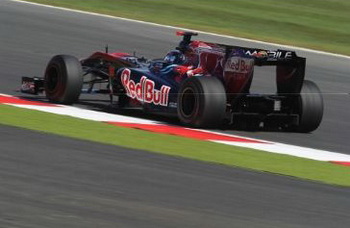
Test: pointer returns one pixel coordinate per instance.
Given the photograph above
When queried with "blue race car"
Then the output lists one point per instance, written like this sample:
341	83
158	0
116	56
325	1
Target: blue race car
203	84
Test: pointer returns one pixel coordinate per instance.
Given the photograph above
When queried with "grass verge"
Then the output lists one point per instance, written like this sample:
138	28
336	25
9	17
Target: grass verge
316	24
175	146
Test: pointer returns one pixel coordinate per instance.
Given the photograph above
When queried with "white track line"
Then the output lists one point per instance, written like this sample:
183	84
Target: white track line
297	151
5	95
180	28
85	114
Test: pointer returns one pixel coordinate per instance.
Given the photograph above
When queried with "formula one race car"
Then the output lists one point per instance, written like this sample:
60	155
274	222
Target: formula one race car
203	84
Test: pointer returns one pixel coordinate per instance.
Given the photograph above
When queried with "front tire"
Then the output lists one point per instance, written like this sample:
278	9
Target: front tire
63	79
202	102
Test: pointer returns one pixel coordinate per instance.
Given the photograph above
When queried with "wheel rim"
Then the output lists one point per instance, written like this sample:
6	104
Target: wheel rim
52	79
188	102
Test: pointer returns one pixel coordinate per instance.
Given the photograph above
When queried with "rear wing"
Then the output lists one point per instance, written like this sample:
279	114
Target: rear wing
290	68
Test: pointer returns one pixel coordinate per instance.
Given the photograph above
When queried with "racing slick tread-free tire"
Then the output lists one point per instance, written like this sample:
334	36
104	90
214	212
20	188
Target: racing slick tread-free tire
63	79
202	102
310	104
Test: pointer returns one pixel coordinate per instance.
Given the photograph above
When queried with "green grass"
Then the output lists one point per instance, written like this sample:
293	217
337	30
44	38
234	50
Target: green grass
175	146
317	24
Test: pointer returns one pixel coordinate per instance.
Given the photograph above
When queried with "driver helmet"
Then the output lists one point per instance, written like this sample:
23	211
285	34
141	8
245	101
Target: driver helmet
175	57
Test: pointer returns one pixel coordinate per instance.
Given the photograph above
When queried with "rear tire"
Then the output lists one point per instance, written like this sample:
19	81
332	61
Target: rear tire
310	106
202	102
63	79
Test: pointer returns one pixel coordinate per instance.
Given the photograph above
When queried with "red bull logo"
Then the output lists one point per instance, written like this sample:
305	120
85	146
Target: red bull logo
239	65
144	90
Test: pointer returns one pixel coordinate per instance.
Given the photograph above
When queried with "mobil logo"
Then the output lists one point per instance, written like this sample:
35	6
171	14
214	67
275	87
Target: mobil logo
144	90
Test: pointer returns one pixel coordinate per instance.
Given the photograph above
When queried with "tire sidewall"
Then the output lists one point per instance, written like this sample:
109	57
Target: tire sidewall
197	90
55	92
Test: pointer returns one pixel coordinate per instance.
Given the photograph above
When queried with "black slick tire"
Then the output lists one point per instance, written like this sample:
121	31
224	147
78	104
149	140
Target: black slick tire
63	79
202	102
310	106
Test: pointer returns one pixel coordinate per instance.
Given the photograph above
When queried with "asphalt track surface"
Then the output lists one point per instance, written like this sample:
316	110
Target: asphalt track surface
82	184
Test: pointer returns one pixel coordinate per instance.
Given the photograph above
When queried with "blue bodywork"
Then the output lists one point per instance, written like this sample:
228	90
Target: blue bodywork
163	75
